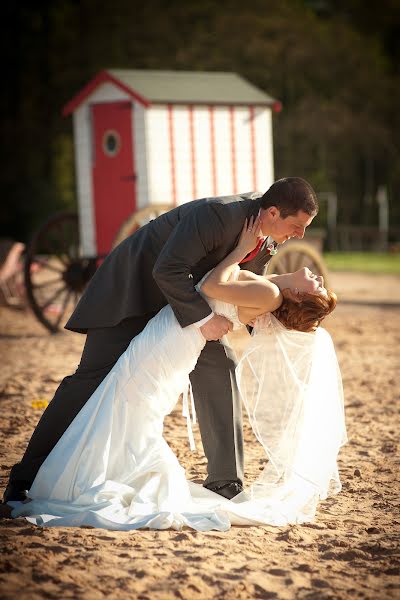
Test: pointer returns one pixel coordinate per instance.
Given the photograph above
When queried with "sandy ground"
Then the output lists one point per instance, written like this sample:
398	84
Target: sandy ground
351	551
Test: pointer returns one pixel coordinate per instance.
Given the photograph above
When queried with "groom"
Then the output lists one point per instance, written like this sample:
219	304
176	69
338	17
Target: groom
160	264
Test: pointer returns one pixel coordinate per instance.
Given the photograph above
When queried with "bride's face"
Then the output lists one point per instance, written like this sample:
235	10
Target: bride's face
304	280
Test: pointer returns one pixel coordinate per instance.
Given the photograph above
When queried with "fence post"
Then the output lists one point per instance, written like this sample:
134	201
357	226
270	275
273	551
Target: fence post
382	199
332	220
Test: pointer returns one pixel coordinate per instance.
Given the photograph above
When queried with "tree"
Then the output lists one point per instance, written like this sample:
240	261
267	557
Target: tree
331	67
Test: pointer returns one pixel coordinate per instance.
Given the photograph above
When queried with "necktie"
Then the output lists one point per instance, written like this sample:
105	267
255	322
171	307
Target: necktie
254	252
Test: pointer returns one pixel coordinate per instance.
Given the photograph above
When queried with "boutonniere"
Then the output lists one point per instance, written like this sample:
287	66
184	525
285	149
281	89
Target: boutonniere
271	249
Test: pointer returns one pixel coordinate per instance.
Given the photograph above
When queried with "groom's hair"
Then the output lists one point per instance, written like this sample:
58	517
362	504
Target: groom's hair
290	195
306	315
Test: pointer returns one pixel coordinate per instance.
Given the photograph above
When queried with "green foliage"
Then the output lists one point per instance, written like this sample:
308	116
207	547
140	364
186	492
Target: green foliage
332	64
367	262
63	169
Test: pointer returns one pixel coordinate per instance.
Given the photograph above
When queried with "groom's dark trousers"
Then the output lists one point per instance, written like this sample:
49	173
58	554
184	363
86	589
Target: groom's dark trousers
217	416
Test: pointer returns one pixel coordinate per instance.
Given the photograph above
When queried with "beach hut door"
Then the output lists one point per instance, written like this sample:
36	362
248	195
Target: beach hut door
113	169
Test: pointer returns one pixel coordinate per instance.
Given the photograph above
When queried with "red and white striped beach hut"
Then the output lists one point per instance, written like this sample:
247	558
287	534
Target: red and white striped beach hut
161	137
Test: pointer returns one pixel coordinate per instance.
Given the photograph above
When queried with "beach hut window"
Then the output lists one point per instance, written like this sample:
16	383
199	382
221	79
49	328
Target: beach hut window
111	143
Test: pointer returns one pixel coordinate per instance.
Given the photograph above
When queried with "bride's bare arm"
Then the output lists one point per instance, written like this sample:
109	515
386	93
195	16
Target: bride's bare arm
282	281
263	295
259	294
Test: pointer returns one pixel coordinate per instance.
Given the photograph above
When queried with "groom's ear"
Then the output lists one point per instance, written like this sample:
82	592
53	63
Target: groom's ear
273	213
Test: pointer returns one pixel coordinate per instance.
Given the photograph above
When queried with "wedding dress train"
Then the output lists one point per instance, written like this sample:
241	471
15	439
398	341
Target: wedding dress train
113	469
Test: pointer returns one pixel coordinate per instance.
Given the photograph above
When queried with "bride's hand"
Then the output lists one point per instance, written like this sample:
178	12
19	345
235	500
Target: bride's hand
251	234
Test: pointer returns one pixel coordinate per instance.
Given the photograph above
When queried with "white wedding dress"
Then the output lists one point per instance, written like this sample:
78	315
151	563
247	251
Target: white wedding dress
113	469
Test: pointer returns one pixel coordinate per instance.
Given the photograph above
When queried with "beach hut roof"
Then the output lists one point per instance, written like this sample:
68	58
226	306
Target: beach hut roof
178	87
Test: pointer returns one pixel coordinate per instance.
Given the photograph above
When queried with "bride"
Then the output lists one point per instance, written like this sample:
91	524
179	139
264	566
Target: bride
113	469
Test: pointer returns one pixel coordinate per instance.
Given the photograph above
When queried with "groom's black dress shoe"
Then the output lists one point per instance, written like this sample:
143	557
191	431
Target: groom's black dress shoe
228	489
14	493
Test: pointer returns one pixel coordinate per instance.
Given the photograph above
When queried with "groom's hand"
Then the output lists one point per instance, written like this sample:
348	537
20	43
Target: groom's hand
216	328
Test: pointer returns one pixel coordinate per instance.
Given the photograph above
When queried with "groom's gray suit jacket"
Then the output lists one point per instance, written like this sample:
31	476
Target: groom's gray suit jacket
163	260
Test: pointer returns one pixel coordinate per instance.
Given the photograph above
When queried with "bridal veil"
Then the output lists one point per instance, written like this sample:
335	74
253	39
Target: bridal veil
291	386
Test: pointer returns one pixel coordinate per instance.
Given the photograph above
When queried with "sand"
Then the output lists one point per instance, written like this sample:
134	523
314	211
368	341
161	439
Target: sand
350	551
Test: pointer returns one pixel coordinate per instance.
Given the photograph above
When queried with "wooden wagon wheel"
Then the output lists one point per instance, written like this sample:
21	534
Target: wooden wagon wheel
55	272
139	218
295	255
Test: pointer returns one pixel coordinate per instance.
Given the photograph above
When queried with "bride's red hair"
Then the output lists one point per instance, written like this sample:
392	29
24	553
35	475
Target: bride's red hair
307	314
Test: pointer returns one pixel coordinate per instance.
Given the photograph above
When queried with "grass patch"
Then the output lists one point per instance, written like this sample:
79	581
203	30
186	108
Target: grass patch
367	262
